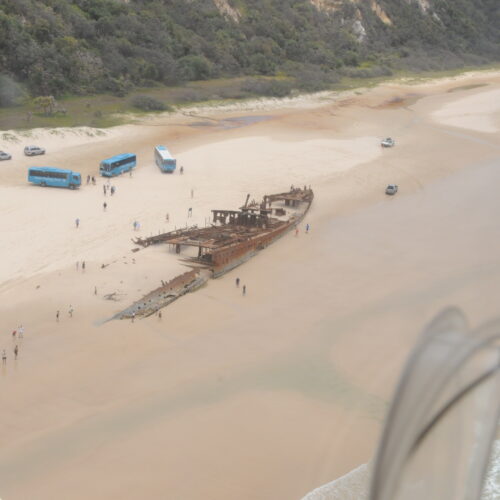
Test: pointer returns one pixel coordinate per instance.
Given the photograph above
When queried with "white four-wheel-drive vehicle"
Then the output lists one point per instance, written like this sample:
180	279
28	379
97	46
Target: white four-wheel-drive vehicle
388	142
391	189
33	151
4	156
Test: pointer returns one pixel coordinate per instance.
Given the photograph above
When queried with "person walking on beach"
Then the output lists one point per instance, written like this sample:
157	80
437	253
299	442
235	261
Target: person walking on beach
159	315
237	282
307	228
104	189
14	334
95	290
244	289
190	212
296	231
93	180
88	179
77	222
83	266
167	217
113	189
182	170
70	311
57	316
133	316
16	351
4	357
192	193
20	332
104	206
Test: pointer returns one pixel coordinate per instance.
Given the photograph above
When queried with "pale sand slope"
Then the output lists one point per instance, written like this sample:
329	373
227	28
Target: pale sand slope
14	141
261	397
478	111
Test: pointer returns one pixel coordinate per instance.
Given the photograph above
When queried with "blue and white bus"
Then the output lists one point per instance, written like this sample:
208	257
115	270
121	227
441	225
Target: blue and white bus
58	177
118	164
164	159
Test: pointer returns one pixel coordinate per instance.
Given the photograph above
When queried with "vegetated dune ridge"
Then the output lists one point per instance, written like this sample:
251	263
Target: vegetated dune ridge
265	396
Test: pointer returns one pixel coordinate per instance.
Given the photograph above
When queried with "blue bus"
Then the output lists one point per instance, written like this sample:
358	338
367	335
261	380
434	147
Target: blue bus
58	177
118	164
164	159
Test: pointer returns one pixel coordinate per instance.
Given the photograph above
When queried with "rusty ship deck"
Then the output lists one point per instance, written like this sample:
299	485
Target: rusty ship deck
232	238
236	233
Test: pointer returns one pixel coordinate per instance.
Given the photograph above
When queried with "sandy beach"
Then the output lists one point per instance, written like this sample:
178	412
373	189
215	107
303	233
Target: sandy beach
262	397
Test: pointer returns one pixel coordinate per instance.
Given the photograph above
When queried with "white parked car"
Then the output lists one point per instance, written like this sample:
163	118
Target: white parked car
388	142
391	189
33	151
5	156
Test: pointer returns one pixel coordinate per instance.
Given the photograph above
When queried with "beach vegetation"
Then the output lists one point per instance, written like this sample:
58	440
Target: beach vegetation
148	103
46	104
86	47
102	60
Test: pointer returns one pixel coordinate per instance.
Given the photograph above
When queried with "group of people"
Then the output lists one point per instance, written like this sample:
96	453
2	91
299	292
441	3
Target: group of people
307	230
19	333
136	227
107	187
70	312
16	334
4	354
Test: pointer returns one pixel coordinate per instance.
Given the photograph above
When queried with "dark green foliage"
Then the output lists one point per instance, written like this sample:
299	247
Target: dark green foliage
148	103
58	47
271	88
314	79
194	67
370	72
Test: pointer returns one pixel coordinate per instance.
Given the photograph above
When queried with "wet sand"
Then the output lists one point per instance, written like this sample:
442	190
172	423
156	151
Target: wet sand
259	397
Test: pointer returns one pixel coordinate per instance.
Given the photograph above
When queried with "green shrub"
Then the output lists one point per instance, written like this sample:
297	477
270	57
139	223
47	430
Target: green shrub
194	67
190	95
372	72
148	103
313	79
268	88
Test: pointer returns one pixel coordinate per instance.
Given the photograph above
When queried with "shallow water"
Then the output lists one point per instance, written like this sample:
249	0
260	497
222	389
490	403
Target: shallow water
460	260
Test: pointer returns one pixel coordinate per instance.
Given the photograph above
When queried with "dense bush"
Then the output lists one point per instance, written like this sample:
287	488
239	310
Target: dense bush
368	72
56	47
147	103
269	88
314	79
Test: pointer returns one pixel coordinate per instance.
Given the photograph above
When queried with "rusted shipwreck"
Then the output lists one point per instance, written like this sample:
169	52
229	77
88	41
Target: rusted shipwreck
232	238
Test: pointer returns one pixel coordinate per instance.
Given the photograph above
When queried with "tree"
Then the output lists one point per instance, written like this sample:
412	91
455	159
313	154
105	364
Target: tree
194	67
46	103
